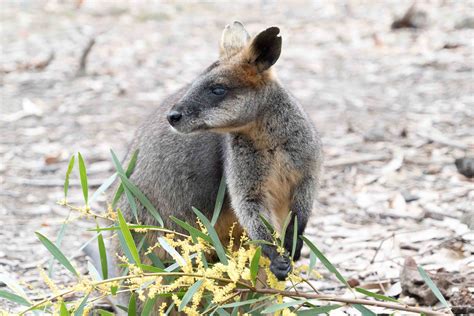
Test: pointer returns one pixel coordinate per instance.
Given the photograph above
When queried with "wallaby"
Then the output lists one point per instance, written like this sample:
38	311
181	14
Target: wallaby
235	119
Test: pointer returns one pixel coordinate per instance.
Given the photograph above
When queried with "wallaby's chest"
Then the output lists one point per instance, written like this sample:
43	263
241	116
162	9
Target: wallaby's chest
269	172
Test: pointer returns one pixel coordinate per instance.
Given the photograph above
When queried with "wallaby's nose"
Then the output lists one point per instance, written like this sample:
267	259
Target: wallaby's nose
174	117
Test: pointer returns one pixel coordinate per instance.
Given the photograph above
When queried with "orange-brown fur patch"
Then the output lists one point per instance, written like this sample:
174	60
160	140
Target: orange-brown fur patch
226	219
246	73
278	188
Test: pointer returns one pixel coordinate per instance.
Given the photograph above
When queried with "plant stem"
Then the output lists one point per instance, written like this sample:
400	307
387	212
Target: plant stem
127	277
322	297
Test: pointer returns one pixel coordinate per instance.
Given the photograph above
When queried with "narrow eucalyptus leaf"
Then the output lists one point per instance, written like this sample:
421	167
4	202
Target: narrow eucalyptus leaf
68	174
219	201
56	253
83	176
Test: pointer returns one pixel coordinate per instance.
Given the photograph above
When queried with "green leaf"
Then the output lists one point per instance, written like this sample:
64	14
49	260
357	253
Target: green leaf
247	302
68	174
132	203
235	311
104	186
221	312
433	287
56	253
192	230
259	241
142	198
214	237
80	309
103	312
148	307
267	224
14	298
276	307
317	310
132	305
123	245
95	275
325	261
13	285
376	295
312	261
124	308
295	237
219	201
283	229
128	173
152	269
189	294
113	289
169	310
123	188
63	310
58	242
103	257
130	226
254	265
173	253
364	310
134	190
128	238
154	258
83	175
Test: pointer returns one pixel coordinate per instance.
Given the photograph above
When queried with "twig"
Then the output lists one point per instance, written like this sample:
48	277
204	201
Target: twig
346	300
248	288
52	182
128	277
81	71
436	136
355	160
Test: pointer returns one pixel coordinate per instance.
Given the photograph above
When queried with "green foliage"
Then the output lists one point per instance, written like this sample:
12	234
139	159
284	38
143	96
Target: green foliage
103	256
14	298
278	307
132	305
375	295
219	201
127	236
213	235
83	176
189	294
68	174
325	261
56	253
254	265
128	173
433	287
139	277
295	237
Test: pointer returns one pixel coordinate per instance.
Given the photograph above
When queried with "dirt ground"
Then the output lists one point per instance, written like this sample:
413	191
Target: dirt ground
395	108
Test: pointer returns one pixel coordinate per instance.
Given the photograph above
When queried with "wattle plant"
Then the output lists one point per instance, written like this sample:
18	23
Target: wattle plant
237	281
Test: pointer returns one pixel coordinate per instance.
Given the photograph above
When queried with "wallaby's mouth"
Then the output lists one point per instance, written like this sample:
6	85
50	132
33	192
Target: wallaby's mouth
187	126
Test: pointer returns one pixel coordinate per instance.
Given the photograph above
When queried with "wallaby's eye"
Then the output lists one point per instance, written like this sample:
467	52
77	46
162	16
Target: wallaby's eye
218	90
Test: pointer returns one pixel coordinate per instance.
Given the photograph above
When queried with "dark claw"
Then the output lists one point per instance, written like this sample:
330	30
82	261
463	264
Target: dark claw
280	267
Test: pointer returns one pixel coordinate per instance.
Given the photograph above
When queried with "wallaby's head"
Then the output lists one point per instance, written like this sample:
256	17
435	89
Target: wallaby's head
227	95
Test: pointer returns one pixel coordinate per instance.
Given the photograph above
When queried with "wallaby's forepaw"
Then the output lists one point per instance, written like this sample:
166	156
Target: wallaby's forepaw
280	267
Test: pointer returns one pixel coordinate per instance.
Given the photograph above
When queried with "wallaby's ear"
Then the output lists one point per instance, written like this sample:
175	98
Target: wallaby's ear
265	48
234	39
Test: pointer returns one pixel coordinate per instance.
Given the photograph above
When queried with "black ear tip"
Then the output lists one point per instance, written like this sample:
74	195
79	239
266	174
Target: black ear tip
273	31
